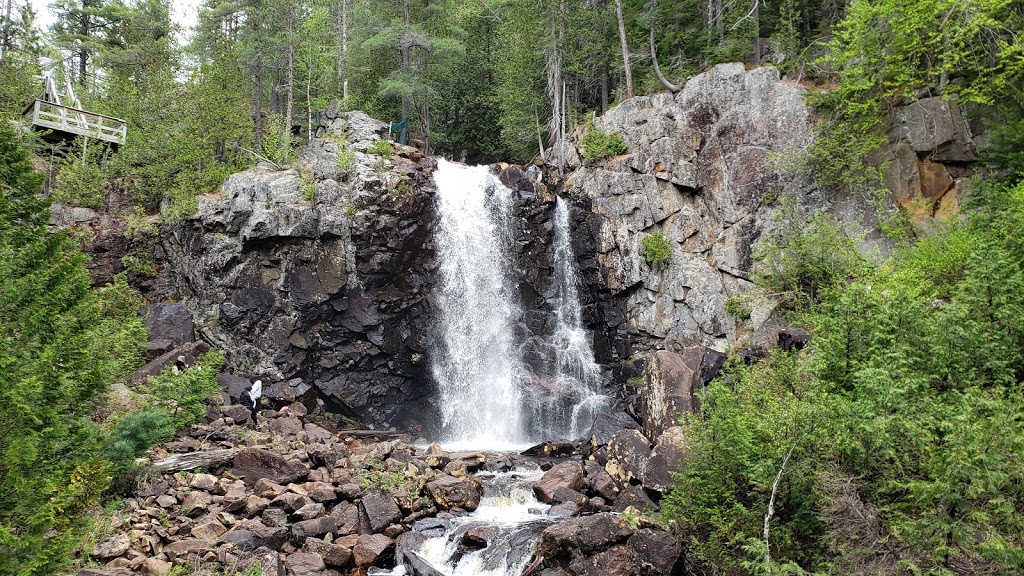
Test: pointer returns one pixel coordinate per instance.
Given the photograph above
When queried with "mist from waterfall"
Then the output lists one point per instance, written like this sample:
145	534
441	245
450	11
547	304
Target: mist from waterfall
477	364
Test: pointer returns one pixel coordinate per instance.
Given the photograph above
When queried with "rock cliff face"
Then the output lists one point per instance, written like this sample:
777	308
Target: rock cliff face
702	169
330	289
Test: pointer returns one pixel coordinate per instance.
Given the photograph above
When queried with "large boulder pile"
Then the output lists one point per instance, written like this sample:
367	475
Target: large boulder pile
284	497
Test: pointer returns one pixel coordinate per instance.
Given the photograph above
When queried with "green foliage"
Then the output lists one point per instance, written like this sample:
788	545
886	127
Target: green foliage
904	416
738	306
346	160
80	180
133	434
375	475
55	358
799	259
122	328
184	394
598	144
308	185
382	148
656	249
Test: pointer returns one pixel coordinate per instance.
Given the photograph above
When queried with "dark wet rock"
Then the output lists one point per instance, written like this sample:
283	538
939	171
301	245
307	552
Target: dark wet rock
251	464
584	535
551	448
607	424
567	475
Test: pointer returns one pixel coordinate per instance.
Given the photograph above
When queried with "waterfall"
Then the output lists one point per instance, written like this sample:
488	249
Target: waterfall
489	395
476	364
576	371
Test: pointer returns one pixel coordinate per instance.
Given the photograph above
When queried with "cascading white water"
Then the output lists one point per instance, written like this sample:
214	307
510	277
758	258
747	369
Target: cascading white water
477	364
575	368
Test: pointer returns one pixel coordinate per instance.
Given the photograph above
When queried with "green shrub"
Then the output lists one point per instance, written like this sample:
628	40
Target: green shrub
80	180
184	394
308	188
738	306
346	161
598	144
135	433
656	250
799	259
382	148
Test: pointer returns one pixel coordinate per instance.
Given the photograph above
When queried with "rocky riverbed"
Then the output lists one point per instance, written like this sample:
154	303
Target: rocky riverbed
291	496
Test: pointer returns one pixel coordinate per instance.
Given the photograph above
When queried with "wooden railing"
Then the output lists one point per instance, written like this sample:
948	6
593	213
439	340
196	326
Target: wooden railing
72	120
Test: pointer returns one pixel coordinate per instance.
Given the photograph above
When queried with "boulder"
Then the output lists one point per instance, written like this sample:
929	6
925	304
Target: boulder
380	509
655	552
629	454
615	560
670	383
449	492
672	448
155	567
252	464
304	564
373	550
314	527
584	535
112	547
347	516
566	475
334	555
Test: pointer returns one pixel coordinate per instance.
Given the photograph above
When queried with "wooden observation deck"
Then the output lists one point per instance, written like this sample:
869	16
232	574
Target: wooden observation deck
65	119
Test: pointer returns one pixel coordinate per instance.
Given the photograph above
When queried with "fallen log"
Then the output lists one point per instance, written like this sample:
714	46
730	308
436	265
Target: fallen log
208	459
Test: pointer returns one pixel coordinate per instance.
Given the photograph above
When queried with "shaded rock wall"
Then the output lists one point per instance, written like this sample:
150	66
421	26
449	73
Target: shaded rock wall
331	290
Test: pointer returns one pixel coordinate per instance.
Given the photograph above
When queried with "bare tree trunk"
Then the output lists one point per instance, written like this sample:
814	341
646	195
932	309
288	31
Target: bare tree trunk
407	20
341	21
286	130
554	73
209	459
755	11
5	42
309	98
258	105
605	87
625	49
657	69
771	509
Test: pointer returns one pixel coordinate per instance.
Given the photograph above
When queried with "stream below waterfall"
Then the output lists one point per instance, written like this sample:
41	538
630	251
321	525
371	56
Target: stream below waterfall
497	539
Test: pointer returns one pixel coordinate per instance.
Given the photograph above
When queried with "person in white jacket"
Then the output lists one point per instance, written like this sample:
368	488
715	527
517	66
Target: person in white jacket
250	398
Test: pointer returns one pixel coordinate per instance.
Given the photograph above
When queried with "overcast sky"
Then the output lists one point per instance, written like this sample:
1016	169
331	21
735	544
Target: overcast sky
183	12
